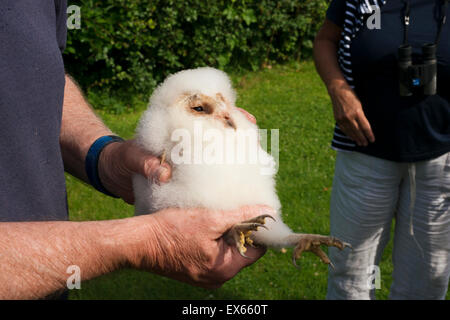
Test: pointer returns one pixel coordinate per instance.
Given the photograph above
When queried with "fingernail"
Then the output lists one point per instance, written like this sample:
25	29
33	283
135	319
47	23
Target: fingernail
159	174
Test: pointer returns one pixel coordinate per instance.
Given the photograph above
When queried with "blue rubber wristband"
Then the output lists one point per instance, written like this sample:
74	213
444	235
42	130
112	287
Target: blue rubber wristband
91	162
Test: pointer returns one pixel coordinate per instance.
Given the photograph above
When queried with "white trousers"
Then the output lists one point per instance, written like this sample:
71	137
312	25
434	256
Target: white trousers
368	193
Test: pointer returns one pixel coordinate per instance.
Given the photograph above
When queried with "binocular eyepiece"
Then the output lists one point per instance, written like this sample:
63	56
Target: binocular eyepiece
413	77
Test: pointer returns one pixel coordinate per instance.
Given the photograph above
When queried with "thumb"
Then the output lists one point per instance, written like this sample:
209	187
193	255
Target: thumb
147	165
153	169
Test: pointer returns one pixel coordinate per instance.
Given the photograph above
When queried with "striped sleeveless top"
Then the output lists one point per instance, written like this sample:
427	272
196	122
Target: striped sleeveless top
356	11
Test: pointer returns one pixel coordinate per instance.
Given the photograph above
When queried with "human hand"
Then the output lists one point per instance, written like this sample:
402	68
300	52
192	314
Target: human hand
119	161
188	244
248	115
349	114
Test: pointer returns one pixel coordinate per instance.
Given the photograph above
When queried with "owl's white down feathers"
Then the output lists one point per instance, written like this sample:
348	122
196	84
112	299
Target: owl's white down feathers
216	186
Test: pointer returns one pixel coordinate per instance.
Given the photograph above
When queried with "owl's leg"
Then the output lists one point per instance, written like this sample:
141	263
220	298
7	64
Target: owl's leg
312	243
239	234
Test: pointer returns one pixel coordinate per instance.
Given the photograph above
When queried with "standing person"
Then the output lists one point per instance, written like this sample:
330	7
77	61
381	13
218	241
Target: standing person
46	126
392	138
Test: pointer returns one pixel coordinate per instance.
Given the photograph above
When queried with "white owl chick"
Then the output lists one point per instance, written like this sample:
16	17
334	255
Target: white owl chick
193	124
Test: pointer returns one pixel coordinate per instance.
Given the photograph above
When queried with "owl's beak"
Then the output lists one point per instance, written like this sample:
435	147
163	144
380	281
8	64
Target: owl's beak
228	121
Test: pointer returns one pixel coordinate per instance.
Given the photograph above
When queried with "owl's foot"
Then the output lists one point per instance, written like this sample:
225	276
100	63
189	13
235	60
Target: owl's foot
239	234
312	243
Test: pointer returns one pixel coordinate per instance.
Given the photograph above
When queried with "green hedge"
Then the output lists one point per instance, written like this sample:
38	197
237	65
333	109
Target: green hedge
134	44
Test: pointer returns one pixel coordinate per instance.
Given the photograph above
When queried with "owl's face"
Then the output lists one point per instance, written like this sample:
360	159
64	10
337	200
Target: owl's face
215	108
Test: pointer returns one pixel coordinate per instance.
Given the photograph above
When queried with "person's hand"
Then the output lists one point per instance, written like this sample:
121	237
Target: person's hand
248	115
188	244
349	114
119	161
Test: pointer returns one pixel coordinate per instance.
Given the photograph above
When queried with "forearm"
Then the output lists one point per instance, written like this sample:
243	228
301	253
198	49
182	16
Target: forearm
326	61
79	129
347	108
35	255
186	245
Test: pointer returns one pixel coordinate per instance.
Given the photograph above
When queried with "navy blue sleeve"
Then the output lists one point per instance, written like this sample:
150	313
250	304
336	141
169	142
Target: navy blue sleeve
61	23
32	182
336	12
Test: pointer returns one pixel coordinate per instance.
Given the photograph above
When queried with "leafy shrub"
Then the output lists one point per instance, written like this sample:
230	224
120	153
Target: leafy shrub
134	44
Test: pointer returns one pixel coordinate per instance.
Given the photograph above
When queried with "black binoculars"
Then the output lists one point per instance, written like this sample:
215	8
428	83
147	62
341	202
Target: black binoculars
420	77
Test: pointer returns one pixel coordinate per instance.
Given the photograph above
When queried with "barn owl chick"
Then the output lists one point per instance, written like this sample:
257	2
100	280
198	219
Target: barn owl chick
217	161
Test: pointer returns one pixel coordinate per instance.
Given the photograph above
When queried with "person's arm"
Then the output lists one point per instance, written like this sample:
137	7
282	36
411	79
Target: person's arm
118	161
186	245
347	108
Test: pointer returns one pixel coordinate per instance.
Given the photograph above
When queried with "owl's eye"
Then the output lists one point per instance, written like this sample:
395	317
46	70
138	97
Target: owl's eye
198	109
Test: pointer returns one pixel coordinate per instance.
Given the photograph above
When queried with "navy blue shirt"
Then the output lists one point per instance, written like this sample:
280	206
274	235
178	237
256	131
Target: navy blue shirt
406	128
32	37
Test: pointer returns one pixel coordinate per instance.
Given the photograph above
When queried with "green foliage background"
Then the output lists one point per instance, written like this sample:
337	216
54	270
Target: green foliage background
133	45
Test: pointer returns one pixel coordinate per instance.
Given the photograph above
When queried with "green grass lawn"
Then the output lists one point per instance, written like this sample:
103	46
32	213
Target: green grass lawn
293	99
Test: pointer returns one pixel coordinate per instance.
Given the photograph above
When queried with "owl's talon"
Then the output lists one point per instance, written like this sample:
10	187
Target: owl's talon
261	219
242	249
347	245
239	234
294	262
163	158
312	243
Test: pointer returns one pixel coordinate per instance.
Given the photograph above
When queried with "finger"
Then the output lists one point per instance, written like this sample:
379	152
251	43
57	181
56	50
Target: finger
233	261
360	137
351	129
149	166
253	254
348	131
366	128
248	115
156	171
163	173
